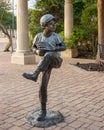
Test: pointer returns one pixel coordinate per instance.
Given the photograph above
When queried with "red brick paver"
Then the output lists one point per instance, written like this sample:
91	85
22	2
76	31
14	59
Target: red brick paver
76	93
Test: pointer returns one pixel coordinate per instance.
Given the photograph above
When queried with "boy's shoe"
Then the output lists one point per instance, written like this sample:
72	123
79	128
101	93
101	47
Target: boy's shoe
33	76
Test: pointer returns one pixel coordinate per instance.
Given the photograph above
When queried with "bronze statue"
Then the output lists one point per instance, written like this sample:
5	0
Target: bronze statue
47	44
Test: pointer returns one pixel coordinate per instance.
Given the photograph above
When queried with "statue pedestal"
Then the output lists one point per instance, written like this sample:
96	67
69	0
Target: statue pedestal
52	118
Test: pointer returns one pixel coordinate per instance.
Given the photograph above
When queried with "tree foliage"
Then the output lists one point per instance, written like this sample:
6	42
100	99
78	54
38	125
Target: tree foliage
6	14
4	6
85	25
87	19
6	20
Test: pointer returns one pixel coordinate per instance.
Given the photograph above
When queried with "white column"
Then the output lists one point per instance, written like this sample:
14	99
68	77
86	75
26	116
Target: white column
100	52
68	18
22	26
22	54
100	21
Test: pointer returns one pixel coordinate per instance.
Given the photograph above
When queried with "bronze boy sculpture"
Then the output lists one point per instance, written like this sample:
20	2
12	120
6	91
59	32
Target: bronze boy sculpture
47	44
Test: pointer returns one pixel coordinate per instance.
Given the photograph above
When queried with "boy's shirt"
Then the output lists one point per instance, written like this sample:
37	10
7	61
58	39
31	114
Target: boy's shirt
53	40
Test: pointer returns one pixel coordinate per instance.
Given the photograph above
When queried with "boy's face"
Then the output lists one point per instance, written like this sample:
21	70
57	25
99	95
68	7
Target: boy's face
51	26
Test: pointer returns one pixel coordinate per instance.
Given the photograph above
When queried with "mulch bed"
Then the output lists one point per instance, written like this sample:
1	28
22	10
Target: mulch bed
91	66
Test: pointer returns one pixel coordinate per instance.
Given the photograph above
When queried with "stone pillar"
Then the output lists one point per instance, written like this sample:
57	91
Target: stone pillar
22	54
68	18
100	5
100	52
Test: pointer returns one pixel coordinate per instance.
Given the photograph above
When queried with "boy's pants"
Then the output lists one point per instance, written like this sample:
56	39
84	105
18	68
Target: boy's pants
49	61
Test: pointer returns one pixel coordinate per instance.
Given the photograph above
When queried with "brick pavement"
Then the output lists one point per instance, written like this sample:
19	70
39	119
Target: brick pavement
79	96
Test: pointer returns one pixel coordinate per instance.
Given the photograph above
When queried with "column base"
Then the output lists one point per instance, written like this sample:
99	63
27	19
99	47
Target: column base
23	58
70	53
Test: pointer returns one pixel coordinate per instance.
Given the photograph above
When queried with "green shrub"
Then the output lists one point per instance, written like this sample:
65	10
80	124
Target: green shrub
70	43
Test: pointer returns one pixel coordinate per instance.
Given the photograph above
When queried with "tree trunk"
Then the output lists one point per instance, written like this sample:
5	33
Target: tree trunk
5	31
100	53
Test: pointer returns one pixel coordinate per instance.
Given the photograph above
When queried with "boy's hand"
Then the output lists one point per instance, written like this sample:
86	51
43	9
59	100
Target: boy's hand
37	52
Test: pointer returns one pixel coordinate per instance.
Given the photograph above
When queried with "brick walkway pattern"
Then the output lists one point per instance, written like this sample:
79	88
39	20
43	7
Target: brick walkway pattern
76	93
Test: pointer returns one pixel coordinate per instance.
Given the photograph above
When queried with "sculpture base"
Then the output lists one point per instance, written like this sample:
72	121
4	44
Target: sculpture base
52	118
